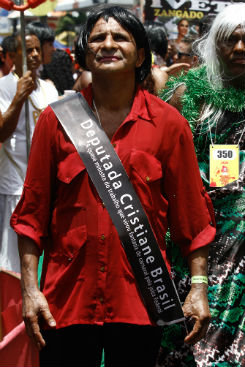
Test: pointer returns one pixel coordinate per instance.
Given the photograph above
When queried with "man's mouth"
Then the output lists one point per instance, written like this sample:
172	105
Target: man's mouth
239	60
33	65
108	58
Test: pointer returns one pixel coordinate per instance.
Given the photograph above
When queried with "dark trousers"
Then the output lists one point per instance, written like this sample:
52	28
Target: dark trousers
124	345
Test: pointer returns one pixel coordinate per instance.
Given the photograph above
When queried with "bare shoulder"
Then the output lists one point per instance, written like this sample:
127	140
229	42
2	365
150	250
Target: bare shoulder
160	78
82	81
155	81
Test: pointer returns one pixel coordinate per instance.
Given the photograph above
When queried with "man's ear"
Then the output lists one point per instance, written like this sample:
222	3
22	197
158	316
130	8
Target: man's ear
141	57
11	55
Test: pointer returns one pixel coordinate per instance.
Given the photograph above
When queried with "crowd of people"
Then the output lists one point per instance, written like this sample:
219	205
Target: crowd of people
174	112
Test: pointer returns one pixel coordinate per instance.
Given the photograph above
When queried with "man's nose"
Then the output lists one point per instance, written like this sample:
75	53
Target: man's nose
109	42
34	52
240	45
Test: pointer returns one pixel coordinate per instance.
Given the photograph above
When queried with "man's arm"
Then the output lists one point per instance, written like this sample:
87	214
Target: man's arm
25	86
196	304
190	222
35	308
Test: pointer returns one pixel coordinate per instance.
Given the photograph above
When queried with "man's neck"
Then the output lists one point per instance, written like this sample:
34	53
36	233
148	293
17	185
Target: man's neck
113	94
113	99
238	83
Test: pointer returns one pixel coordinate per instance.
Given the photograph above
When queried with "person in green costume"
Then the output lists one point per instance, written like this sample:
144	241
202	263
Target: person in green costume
212	98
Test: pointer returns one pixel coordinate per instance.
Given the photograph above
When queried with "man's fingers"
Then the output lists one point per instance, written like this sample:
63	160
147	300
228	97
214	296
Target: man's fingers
195	334
198	332
33	330
33	316
47	317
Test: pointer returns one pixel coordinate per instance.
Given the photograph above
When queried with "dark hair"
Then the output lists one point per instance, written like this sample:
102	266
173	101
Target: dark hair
179	20
59	70
8	44
130	23
158	39
43	32
17	38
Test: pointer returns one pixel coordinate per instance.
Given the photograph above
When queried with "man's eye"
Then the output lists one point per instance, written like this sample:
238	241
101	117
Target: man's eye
230	41
120	37
97	38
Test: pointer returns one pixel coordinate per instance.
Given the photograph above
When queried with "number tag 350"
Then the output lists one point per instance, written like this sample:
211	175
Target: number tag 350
224	164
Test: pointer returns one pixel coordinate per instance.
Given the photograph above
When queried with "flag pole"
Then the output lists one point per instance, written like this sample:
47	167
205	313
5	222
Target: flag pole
24	70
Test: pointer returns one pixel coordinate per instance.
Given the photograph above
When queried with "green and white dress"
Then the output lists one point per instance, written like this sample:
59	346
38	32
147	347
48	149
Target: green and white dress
224	344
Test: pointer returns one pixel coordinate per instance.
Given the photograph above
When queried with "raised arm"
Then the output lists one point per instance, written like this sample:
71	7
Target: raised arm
10	118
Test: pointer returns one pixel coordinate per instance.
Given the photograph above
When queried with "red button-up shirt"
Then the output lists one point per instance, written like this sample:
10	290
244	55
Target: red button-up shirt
86	276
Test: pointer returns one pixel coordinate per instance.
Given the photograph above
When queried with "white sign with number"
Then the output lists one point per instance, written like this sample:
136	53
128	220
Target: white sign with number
224	164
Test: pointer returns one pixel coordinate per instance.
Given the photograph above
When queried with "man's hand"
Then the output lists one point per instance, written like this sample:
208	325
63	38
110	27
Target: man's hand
35	309
10	119
35	312
196	308
175	69
25	85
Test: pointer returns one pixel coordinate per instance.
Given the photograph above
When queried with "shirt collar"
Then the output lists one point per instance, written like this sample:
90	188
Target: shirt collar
140	108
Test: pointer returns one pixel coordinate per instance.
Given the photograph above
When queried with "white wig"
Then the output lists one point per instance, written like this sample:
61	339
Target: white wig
231	17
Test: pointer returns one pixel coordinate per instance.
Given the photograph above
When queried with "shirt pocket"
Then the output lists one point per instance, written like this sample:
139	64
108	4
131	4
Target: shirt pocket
70	167
146	175
67	245
70	206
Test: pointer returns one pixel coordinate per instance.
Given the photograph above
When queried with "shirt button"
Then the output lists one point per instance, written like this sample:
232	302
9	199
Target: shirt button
114	145
102	269
147	178
102	237
103	205
70	258
101	299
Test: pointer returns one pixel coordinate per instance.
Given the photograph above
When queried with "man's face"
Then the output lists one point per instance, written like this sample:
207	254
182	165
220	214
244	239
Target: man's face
185	54
47	51
231	53
112	49
33	53
6	62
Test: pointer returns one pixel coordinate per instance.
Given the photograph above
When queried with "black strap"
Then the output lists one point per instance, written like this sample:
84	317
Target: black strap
116	191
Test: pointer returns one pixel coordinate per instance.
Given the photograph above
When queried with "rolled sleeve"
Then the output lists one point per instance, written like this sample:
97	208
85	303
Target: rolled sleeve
31	216
202	239
27	219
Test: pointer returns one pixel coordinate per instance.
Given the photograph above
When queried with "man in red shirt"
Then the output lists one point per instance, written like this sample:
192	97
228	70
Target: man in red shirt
89	300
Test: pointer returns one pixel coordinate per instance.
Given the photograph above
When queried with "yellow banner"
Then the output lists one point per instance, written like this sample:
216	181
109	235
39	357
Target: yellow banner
46	7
